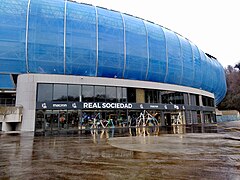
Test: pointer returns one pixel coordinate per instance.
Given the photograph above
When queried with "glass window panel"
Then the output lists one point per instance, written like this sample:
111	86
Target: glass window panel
59	92
87	93
45	92
197	100
100	94
9	101
172	98
147	97
124	94
111	94
159	97
155	96
204	101
2	101
74	92
179	99
119	94
165	98
186	98
131	95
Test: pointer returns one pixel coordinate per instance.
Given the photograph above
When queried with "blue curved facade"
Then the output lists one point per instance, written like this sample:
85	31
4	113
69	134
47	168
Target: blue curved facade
63	37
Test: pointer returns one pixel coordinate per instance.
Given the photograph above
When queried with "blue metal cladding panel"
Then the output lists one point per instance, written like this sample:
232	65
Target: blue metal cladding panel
188	63
220	94
212	74
218	84
6	82
150	49
45	39
174	58
215	75
197	81
224	85
157	53
207	80
110	43
80	39
12	36
136	49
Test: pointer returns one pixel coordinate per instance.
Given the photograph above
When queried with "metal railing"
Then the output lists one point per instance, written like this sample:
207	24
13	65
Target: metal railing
7	101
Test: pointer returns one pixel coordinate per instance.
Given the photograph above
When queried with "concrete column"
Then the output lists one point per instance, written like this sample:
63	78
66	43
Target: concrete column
200	100
190	112
202	117
189	99
201	113
26	97
162	119
183	117
6	127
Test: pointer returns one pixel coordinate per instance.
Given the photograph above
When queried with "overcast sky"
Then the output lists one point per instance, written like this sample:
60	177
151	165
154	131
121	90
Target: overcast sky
213	25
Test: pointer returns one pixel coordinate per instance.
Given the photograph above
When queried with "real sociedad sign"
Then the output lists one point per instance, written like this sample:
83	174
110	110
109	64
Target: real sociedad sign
107	106
110	105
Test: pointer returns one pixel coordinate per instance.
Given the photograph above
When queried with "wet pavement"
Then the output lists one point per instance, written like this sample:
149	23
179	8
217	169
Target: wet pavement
193	152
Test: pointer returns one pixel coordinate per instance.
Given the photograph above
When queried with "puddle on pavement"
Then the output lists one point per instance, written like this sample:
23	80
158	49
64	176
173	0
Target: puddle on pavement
196	152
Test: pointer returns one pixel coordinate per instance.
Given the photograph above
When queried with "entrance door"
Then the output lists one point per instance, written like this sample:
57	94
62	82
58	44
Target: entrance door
167	117
73	120
51	121
40	121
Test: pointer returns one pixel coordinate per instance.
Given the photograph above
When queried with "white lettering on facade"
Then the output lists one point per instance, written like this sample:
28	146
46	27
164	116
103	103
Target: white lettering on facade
107	105
59	105
85	105
175	106
153	106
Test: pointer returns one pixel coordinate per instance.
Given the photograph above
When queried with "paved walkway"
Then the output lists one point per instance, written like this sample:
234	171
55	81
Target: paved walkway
195	153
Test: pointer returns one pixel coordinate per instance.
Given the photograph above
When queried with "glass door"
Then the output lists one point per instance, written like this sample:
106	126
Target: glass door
39	123
51	120
48	121
55	120
73	120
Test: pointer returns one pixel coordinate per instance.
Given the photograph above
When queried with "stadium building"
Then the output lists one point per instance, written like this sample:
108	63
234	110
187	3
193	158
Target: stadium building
70	66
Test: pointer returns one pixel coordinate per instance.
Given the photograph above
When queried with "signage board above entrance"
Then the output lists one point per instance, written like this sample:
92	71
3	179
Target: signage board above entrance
110	105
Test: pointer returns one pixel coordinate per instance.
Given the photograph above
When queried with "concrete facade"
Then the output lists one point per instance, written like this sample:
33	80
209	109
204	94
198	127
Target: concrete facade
27	90
11	118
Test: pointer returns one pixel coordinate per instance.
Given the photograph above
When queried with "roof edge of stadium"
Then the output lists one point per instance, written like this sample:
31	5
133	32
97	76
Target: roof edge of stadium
74	1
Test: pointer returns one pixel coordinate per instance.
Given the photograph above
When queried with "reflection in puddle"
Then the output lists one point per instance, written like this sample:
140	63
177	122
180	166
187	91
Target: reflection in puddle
177	152
150	131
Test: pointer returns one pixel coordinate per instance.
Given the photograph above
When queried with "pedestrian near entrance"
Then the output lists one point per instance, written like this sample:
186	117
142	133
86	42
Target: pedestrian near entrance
62	120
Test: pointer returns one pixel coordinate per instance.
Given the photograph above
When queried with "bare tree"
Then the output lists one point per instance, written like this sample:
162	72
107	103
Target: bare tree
232	98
